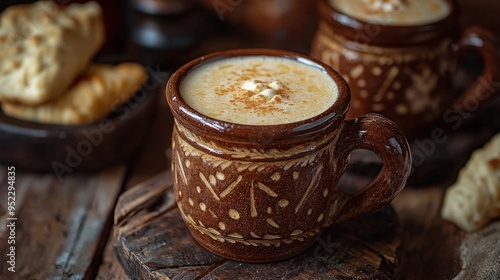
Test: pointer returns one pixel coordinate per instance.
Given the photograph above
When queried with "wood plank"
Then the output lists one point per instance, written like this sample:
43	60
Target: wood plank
153	159
153	242
59	225
430	245
111	269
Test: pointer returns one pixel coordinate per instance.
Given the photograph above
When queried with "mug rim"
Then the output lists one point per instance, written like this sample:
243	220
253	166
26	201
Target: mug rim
391	34
181	110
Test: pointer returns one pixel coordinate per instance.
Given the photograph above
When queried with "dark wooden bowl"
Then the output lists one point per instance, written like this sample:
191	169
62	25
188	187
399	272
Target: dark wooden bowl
64	149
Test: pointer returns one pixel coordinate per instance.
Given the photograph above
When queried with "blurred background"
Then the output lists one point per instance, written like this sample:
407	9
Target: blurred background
171	32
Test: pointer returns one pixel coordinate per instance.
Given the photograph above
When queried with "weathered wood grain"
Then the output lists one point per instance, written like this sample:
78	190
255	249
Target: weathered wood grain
59	225
110	268
152	242
429	244
152	159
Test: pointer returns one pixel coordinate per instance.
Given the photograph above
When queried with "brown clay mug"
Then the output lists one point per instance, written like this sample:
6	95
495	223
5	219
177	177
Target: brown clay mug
404	72
260	193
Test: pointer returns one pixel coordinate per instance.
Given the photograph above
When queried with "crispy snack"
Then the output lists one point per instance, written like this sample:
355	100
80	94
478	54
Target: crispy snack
474	199
93	96
44	47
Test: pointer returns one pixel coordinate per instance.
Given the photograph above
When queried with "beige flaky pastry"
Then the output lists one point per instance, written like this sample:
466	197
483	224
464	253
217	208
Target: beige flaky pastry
474	200
44	47
93	96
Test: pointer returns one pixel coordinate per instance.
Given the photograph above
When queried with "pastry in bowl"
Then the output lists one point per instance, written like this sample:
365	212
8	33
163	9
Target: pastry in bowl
92	96
44	47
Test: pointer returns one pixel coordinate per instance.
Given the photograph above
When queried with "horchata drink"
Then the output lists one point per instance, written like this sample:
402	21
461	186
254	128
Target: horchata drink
394	12
259	90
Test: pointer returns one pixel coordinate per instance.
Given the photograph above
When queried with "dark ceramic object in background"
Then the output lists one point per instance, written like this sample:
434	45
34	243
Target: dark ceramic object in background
285	24
64	149
404	72
483	12
165	33
264	193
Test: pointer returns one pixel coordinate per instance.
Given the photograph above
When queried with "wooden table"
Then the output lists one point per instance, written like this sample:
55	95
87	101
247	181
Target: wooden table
63	228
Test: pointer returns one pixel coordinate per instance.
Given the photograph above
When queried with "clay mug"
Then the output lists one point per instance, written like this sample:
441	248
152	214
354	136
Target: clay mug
260	193
404	72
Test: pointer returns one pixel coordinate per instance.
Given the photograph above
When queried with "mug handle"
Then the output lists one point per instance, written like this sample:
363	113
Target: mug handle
488	45
383	137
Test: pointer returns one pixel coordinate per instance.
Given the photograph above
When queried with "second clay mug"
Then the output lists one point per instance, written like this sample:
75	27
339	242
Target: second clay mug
403	67
264	192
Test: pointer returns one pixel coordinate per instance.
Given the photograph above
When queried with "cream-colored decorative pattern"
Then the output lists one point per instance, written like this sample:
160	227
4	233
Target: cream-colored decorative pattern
283	203
312	184
265	240
206	190
244	153
242	165
420	96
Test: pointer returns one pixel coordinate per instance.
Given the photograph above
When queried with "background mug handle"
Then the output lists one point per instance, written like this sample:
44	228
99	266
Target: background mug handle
383	137
488	46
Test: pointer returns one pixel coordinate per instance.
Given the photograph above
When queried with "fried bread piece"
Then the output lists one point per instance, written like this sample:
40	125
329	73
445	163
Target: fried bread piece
44	47
93	96
474	199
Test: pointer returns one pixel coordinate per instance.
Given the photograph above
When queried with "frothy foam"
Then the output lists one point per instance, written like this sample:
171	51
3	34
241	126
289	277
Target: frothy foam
394	12
259	90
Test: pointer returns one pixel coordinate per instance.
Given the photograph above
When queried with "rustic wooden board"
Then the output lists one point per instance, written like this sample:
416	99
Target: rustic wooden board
60	224
152	242
430	245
